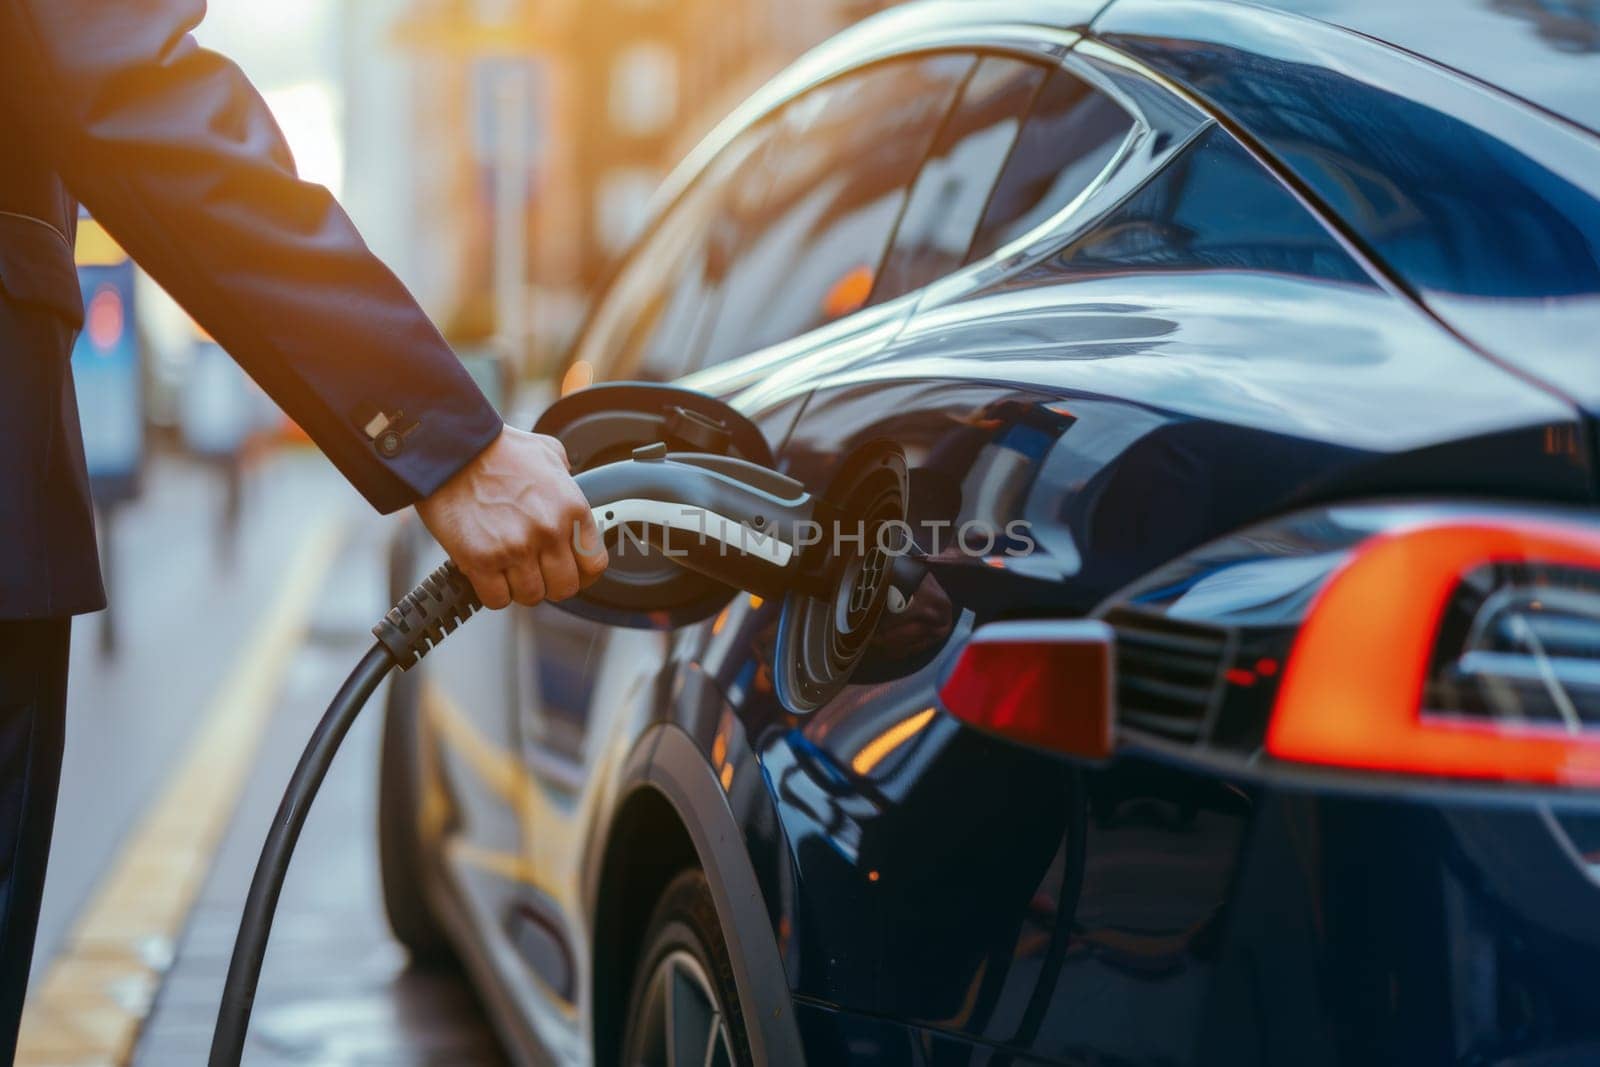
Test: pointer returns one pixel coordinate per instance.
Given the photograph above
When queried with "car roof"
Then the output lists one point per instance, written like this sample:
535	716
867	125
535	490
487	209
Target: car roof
1546	52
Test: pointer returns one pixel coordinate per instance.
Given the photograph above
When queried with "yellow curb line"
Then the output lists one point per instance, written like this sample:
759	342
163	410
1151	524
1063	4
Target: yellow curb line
88	1009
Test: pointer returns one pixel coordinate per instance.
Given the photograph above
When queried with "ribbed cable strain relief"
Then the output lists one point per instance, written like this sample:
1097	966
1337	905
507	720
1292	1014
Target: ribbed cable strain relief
426	616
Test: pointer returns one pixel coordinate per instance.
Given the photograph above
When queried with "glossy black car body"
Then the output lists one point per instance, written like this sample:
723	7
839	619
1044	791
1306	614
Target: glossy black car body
1342	250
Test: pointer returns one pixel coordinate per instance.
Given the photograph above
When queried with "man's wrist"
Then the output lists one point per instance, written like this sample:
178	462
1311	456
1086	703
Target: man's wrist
439	448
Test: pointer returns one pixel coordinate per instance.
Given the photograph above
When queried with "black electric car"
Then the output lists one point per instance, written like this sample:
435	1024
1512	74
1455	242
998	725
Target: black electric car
1232	369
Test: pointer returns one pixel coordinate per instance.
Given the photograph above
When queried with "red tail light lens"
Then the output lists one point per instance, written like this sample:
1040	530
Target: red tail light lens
1046	684
1461	648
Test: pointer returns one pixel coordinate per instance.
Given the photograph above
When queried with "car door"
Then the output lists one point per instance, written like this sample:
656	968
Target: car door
643	329
585	690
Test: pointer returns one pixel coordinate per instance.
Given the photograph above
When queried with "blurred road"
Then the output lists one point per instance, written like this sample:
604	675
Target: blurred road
148	743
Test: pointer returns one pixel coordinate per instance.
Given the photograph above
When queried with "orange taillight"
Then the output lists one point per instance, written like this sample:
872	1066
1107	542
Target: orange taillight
1353	690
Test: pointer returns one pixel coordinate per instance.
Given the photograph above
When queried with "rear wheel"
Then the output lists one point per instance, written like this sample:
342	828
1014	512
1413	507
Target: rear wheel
400	852
684	1009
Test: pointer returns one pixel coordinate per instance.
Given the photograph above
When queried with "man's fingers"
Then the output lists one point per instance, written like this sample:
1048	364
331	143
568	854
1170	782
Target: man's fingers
535	542
492	588
589	548
591	567
555	445
560	573
527	584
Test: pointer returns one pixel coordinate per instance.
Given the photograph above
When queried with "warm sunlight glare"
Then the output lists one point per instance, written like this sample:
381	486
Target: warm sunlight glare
309	116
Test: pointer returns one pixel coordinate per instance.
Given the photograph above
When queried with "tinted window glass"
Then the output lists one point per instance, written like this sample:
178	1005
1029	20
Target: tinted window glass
948	199
669	352
632	318
1449	204
1211	208
807	222
648	321
1069	138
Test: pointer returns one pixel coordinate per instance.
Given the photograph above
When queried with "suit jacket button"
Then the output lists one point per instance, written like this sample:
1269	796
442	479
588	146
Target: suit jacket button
390	443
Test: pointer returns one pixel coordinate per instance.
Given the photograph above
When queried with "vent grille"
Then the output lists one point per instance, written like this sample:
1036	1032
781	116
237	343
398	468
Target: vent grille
1167	673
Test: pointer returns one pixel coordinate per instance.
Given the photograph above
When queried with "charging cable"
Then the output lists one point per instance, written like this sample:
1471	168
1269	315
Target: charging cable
418	623
705	504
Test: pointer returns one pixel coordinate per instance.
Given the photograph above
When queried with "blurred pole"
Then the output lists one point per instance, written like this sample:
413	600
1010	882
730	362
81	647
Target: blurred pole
512	118
232	516
108	558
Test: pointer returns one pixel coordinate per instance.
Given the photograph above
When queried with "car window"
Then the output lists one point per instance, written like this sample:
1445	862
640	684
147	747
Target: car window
1071	135
1212	208
646	324
947	201
806	223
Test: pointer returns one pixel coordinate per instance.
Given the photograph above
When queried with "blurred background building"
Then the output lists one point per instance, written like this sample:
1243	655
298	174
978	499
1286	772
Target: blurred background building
498	154
554	121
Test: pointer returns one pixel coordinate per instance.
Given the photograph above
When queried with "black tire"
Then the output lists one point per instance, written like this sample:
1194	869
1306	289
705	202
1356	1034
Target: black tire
684	923
401	856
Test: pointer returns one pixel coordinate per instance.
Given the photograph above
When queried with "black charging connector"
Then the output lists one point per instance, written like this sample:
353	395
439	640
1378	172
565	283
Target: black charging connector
426	616
417	624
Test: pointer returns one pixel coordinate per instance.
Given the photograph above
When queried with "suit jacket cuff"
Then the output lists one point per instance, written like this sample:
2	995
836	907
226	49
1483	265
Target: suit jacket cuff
420	457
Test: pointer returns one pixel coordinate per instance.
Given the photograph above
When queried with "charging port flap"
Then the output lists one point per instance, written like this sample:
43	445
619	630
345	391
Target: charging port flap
604	423
686	499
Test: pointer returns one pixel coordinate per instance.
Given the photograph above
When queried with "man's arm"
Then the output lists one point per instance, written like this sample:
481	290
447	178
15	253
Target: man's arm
177	155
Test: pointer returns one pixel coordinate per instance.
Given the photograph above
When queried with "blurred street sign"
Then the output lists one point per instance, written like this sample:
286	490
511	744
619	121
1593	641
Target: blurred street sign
106	368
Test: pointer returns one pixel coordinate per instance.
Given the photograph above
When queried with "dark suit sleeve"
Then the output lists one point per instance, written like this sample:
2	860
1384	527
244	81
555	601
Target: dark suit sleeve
177	155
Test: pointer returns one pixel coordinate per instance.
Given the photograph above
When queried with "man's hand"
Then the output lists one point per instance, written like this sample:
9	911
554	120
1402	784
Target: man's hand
516	524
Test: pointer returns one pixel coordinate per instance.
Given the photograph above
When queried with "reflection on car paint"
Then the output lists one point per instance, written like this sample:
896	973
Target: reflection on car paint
1409	160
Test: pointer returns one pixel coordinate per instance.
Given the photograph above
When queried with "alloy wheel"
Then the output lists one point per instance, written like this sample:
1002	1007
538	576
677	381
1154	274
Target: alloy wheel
681	1023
